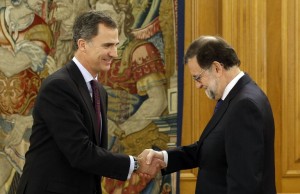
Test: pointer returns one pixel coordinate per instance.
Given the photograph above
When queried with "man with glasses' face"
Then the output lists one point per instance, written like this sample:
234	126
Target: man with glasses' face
207	78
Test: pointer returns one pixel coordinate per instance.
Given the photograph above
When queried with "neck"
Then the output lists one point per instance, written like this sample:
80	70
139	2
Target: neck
232	73
82	60
229	75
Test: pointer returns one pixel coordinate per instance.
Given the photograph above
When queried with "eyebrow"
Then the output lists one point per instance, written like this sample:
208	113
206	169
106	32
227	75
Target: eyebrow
110	43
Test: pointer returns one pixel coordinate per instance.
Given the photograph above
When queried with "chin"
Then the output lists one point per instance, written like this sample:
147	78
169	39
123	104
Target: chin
105	68
210	94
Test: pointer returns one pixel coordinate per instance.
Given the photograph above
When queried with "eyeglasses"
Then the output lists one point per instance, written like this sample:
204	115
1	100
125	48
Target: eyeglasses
198	77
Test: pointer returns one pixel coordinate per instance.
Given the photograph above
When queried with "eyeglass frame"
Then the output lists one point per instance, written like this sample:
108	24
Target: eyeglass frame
197	78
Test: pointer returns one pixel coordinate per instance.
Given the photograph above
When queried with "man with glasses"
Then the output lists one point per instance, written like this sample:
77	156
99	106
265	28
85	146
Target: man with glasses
235	153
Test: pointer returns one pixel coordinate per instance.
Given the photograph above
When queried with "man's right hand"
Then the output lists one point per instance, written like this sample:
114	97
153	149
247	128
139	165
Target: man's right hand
150	169
150	154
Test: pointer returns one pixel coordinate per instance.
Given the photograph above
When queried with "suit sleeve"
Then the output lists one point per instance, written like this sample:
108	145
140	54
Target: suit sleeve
61	107
185	157
244	146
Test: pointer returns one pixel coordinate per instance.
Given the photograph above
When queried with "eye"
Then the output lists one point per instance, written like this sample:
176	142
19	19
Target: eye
106	46
196	78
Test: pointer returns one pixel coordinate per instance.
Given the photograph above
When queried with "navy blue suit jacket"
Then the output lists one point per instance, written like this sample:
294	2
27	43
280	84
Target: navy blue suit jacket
235	153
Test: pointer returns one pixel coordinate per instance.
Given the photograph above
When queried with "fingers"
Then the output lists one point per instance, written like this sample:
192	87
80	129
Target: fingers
144	154
145	176
150	170
155	167
159	163
153	154
149	154
151	162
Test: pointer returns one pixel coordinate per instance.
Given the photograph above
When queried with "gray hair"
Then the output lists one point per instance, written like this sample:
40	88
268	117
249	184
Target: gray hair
86	25
208	49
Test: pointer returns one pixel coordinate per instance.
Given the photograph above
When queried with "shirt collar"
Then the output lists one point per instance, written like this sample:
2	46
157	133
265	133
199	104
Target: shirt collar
86	75
232	84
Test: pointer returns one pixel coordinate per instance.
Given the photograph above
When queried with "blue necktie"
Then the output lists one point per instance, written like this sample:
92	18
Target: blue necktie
219	103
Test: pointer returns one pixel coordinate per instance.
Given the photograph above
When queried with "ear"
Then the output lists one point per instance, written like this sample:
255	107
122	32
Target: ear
81	44
218	67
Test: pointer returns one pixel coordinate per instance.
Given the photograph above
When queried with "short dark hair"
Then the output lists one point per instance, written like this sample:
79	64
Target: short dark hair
208	49
86	25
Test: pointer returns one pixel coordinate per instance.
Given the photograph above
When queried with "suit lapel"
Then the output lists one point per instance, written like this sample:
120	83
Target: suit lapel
219	114
77	77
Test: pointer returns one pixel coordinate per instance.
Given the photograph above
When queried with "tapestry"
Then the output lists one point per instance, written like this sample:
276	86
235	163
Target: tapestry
36	40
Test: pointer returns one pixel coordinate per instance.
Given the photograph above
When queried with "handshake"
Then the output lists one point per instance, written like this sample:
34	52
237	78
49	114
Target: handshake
150	163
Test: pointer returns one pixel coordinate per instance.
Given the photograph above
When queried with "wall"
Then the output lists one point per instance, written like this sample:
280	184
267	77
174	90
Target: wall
265	34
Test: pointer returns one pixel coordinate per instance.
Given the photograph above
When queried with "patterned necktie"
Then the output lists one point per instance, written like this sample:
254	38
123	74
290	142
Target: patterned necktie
219	103
96	103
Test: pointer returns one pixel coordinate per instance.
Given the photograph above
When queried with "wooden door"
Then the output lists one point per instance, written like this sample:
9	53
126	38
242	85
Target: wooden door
266	35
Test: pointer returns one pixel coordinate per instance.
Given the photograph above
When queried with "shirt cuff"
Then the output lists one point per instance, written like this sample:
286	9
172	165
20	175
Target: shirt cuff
131	168
165	157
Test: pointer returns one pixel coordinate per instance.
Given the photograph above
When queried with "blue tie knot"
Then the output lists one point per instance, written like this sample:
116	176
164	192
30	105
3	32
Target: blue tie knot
219	103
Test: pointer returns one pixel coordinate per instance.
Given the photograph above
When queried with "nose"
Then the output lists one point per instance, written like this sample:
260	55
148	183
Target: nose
113	51
198	85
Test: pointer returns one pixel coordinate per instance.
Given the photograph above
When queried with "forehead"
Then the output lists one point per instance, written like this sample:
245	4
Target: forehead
107	34
193	65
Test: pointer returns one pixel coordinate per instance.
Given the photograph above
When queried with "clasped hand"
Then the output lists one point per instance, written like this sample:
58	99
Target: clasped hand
151	162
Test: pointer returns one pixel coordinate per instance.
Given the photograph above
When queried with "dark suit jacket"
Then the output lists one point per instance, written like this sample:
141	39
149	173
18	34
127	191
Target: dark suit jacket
235	153
64	155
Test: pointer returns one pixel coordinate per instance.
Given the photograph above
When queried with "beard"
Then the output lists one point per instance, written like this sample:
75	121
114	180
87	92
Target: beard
210	94
211	90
